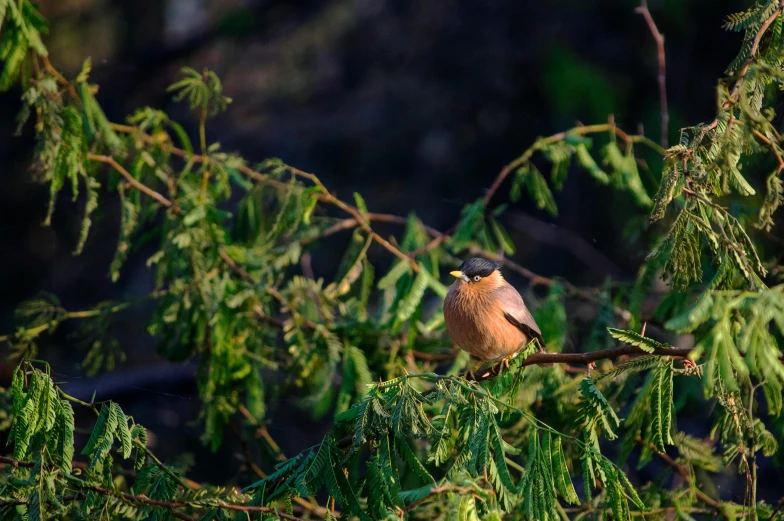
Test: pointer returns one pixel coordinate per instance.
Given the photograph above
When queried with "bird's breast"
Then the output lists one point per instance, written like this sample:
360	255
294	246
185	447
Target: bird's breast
478	325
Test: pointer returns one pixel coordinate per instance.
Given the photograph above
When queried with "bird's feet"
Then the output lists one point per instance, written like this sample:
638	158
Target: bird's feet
471	375
503	364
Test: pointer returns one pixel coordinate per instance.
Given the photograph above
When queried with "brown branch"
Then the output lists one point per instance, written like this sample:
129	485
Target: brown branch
779	506
432	245
15	463
762	137
128	177
59	77
557	358
248	457
560	136
347	224
356	215
681	470
439	237
733	95
585	358
171	505
325	196
235	267
662	77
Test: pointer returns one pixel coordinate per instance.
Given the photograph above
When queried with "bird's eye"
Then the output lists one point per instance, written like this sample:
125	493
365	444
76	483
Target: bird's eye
477	278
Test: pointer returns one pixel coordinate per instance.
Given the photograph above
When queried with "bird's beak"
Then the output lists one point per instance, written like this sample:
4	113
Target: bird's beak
459	275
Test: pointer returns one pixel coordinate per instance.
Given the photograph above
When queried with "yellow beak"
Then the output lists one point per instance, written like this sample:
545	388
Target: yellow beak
456	274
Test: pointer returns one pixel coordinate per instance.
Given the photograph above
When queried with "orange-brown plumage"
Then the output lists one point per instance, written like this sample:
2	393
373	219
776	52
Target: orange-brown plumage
485	315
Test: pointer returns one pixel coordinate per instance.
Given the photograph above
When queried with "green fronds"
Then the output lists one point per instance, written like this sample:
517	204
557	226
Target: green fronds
635	339
239	289
21	25
202	91
595	410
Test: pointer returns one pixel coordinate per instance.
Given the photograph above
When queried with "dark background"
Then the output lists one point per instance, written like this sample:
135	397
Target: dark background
416	105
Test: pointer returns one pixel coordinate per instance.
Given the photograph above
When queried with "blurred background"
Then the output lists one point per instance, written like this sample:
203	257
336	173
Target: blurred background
416	105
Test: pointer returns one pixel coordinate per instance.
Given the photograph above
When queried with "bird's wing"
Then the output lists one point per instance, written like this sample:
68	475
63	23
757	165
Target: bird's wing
516	312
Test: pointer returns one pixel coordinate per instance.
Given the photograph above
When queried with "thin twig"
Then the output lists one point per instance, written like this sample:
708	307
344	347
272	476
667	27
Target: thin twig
733	95
560	136
662	76
248	457
363	222
59	77
439	237
128	177
779	506
140	498
681	470
762	137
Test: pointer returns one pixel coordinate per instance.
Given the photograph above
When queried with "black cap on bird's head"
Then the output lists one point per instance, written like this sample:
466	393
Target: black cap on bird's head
474	270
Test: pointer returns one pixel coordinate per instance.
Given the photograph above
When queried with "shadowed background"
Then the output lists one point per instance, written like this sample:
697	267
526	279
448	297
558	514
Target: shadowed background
416	105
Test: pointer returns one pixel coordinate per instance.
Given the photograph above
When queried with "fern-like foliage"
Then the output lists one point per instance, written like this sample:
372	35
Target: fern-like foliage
367	344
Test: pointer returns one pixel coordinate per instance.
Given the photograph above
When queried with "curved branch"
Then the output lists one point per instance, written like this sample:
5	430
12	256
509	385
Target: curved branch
662	76
142	499
560	136
745	69
128	177
583	358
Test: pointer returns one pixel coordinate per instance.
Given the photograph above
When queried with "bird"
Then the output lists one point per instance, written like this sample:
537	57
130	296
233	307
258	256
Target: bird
486	316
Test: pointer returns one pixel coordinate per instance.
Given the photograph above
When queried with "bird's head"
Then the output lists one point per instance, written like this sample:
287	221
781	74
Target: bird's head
478	274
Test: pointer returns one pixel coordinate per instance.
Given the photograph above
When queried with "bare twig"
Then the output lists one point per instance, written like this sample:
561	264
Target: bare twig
59	77
130	179
662	77
15	463
348	224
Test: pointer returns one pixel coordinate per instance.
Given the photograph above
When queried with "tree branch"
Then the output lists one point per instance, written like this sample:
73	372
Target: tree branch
662	77
583	358
128	177
560	136
439	237
733	95
140	498
677	467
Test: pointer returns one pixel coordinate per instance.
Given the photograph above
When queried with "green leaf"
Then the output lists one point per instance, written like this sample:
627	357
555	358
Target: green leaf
537	187
662	406
502	237
410	303
471	220
563	481
635	339
388	280
587	162
413	462
361	206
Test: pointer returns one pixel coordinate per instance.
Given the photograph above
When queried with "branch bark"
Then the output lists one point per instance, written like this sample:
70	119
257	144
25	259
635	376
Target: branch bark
662	76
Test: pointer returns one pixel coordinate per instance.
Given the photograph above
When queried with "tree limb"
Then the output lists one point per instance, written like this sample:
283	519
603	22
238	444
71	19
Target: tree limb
662	76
